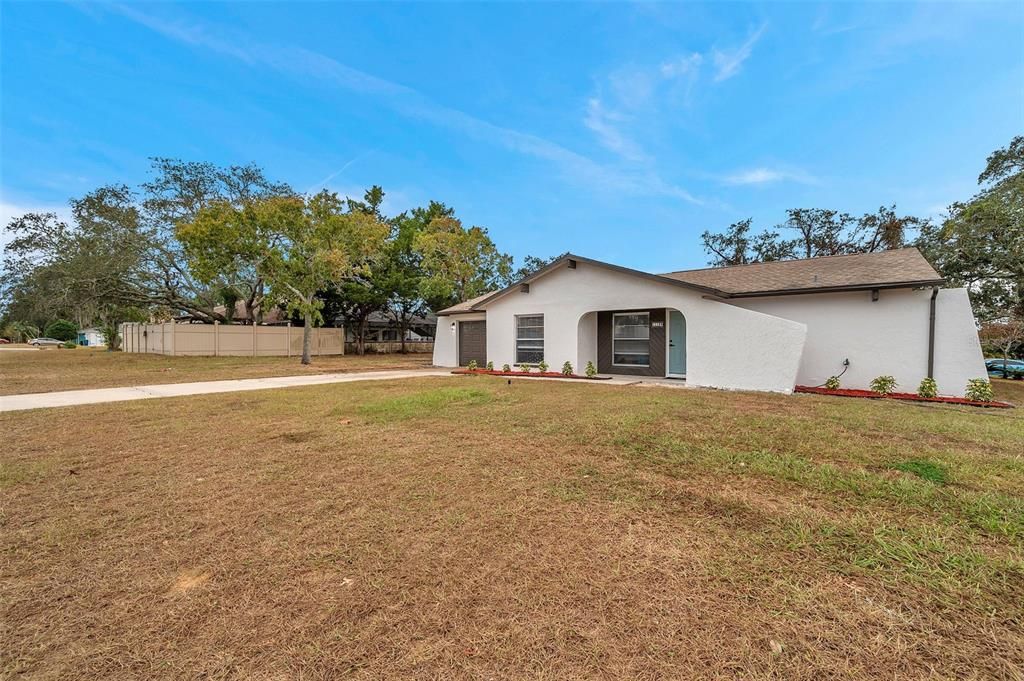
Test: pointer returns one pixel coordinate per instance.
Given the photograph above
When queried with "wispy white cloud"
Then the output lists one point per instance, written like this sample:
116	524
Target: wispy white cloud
307	65
638	96
323	183
632	92
684	66
605	124
728	62
760	176
824	26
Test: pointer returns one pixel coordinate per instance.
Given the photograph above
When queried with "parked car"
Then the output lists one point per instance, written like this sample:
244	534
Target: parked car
4	341
1014	368
45	341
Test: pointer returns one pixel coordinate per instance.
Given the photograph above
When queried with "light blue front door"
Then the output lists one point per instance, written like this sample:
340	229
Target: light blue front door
676	343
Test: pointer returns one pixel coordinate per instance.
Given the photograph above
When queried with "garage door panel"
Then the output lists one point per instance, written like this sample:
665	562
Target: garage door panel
473	343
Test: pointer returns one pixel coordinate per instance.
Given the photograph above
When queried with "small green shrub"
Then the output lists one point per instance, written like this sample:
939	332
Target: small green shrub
980	390
928	388
506	368
62	330
591	370
524	367
922	468
567	369
490	366
69	345
832	383
472	365
542	366
884	385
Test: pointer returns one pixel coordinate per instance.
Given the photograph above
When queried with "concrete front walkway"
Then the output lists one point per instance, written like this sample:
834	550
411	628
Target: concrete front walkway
68	398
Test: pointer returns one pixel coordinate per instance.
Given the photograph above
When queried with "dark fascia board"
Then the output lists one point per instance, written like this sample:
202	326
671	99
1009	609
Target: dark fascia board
597	263
442	313
925	283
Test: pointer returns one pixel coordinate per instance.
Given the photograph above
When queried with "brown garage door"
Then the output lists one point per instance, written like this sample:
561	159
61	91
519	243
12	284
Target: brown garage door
473	343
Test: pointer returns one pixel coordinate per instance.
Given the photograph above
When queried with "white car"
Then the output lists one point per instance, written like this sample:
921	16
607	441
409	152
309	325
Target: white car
45	341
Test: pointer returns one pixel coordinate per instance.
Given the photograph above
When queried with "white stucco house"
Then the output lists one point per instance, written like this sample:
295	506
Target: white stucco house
767	326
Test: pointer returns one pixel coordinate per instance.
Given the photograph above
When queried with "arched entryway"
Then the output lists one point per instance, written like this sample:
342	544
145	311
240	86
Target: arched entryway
634	342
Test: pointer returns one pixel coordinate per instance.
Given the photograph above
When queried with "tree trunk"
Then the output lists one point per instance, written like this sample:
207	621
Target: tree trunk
307	334
403	329
361	336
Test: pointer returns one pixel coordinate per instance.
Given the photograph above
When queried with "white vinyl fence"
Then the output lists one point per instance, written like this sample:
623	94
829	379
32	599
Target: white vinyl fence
228	340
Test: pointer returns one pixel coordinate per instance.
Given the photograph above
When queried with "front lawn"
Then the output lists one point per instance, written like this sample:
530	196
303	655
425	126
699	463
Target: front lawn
58	369
464	528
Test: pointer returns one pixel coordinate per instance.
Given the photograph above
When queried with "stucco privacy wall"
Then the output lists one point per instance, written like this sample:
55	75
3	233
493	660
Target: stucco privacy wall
887	336
726	346
446	349
228	340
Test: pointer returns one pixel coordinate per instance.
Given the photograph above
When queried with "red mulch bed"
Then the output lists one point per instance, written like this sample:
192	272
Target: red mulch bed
532	374
911	397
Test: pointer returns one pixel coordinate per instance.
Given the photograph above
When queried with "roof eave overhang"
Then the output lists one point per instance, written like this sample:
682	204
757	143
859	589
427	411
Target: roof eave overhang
445	313
923	283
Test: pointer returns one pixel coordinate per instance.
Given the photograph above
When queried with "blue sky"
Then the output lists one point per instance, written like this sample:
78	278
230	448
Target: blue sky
616	131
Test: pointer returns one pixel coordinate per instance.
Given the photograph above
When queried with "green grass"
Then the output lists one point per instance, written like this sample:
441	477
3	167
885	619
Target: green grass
926	470
425	403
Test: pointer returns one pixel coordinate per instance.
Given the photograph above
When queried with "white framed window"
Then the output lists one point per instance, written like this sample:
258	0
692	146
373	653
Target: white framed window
631	339
529	338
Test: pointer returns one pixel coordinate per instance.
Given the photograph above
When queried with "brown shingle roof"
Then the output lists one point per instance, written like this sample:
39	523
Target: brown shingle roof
904	267
863	270
464	306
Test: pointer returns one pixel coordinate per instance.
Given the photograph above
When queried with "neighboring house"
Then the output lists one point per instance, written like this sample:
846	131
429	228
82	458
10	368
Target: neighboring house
382	328
91	336
241	316
767	326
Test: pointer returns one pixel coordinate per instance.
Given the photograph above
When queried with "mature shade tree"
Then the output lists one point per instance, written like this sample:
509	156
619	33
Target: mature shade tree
404	275
225	247
356	297
819	232
532	263
302	246
35	269
980	244
121	250
177	193
736	246
458	263
885	230
87	270
1005	338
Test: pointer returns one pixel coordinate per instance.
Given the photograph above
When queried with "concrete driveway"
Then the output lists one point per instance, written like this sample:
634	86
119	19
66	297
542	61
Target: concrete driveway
68	398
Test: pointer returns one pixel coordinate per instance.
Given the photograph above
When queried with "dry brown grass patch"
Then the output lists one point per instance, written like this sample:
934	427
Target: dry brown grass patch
489	531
